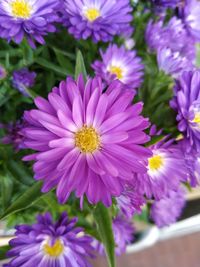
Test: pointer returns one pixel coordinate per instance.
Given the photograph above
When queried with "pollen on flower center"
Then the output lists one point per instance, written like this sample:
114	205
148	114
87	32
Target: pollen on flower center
117	71
54	251
155	162
92	14
87	139
21	9
196	118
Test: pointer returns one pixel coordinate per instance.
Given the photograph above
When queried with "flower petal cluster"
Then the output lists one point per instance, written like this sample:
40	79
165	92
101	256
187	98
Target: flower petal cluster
49	244
165	170
173	44
101	20
119	63
186	102
31	19
87	139
167	210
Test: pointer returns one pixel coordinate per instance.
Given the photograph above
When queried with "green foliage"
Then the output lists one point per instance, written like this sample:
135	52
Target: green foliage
80	66
104	226
62	56
32	194
3	251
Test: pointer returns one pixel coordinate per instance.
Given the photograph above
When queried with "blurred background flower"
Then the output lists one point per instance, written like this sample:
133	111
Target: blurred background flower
22	80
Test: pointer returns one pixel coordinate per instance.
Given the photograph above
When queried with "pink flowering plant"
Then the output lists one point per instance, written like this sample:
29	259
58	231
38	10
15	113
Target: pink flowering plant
99	124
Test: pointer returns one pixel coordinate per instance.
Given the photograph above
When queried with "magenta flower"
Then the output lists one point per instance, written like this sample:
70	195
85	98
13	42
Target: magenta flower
186	102
167	210
100	19
28	18
50	244
165	170
118	63
87	140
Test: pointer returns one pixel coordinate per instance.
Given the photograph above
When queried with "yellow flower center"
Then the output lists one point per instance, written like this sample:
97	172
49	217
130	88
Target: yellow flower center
196	118
117	71
92	14
155	162
21	9
54	251
87	139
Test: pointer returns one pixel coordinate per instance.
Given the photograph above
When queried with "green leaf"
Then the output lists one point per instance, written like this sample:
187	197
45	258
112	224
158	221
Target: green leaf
64	53
19	172
48	65
6	190
3	251
80	66
104	226
31	195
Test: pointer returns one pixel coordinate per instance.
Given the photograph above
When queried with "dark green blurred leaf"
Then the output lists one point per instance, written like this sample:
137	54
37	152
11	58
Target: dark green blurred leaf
31	195
64	53
104	225
48	65
6	191
19	172
3	251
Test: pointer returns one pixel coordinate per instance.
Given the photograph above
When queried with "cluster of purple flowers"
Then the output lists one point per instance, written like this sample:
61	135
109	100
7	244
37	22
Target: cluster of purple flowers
88	136
174	46
34	19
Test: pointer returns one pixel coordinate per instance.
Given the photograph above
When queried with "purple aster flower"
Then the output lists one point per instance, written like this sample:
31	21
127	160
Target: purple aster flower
192	162
100	20
28	18
173	57
13	136
186	102
118	63
154	35
190	14
130	201
50	244
167	210
165	170
3	73
123	231
23	79
87	140
173	63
